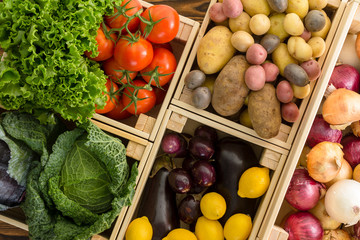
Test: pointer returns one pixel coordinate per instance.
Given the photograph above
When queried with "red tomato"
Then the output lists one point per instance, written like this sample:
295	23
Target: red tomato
142	106
133	56
118	113
105	46
166	29
161	93
166	63
117	21
111	97
111	68
162	45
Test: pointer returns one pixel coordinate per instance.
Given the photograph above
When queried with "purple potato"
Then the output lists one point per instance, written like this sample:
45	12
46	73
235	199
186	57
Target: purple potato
180	180
203	173
189	209
207	132
188	163
173	143
201	147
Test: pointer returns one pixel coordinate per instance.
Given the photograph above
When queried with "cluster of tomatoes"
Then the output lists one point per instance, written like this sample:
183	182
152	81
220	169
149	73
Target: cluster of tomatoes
136	56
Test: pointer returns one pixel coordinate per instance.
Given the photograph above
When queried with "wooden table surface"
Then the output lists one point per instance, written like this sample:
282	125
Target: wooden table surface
189	8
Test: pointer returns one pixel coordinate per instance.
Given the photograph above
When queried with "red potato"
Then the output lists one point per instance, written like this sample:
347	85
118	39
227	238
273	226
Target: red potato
312	68
284	92
232	8
216	13
255	77
256	54
306	35
289	112
271	71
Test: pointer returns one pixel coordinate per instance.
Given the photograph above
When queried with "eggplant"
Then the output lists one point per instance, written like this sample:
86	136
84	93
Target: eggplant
158	204
232	158
11	193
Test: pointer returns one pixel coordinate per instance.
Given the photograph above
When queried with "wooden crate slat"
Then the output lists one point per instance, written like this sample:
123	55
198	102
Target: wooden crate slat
145	123
185	32
277	233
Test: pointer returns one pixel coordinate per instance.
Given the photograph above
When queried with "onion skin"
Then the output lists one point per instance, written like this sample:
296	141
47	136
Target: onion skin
351	149
303	226
321	131
337	234
303	192
324	161
357	230
345	172
320	213
345	76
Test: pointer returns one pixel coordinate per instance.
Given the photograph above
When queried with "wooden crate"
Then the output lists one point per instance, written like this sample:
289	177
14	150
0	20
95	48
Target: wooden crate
342	49
182	96
180	120
137	149
147	125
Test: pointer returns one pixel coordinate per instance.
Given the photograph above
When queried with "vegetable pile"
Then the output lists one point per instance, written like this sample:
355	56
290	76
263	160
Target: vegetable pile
76	181
263	56
194	184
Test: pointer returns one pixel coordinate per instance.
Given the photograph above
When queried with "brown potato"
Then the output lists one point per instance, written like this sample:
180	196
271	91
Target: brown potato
230	89
264	111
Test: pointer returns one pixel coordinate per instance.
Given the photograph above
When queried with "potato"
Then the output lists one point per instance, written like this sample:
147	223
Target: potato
270	42
281	57
242	40
259	24
245	119
215	50
278	5
300	92
300	7
315	21
317	4
277	26
271	71
230	89
216	13
290	112
264	111
255	77
209	82
256	54
312	68
284	92
318	46
201	97
293	24
241	23
194	79
232	8
299	49
323	32
306	35
296	75
255	7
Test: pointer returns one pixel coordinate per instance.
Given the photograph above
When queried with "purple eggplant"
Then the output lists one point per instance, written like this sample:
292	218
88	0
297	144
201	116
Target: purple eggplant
203	173
188	162
207	132
180	180
201	147
158	204
232	158
189	209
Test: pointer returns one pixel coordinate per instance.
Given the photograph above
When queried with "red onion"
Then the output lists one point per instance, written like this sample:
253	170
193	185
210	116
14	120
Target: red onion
357	230
303	192
345	76
351	149
320	132
303	226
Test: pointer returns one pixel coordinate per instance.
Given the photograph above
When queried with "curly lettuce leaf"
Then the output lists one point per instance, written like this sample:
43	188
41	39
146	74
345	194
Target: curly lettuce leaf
45	68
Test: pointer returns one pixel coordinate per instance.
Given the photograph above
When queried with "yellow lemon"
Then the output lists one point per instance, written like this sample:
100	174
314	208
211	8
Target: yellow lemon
213	206
254	182
139	229
238	227
180	234
206	229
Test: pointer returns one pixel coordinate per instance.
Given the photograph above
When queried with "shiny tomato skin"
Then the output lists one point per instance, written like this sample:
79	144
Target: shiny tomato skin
118	113
111	88
133	6
165	30
144	105
105	46
110	66
166	63
135	56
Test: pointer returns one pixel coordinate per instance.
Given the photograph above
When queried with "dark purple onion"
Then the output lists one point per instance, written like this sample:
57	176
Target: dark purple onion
345	76
207	132
179	180
203	173
201	147
189	209
320	132
173	143
303	226
357	230
303	192
351	149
